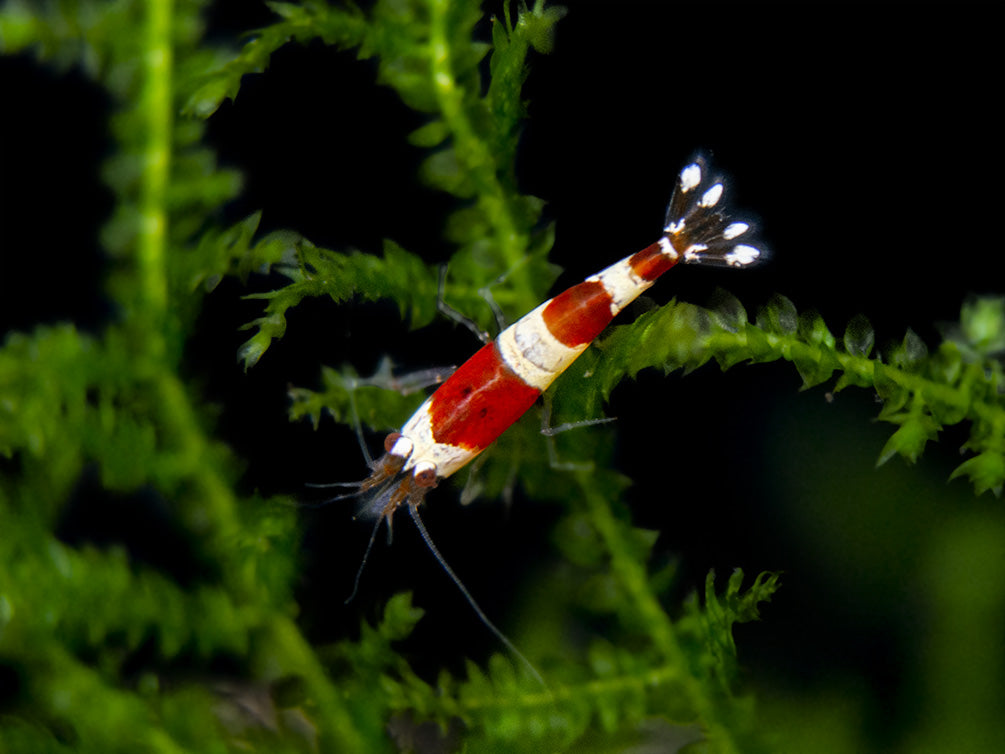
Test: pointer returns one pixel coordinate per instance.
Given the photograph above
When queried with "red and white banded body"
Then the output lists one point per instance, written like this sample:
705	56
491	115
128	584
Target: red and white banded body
497	385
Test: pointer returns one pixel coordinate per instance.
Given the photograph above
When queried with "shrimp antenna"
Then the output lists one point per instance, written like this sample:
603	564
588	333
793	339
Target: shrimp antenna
357	425
366	557
299	504
414	511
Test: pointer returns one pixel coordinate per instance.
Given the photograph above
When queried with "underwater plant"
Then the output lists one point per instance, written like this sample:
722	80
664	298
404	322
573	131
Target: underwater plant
203	645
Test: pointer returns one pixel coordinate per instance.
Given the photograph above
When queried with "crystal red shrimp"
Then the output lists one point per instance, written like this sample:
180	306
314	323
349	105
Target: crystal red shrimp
497	385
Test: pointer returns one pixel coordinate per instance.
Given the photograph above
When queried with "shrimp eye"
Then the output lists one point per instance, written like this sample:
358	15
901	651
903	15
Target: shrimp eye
425	475
390	440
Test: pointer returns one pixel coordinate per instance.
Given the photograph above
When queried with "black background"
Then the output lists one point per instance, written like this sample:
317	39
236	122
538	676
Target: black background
865	137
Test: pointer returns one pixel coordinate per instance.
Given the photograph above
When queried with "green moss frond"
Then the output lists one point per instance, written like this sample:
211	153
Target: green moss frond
921	391
426	54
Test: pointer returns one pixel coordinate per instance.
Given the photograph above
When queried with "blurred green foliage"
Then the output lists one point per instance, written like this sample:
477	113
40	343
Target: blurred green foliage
90	635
